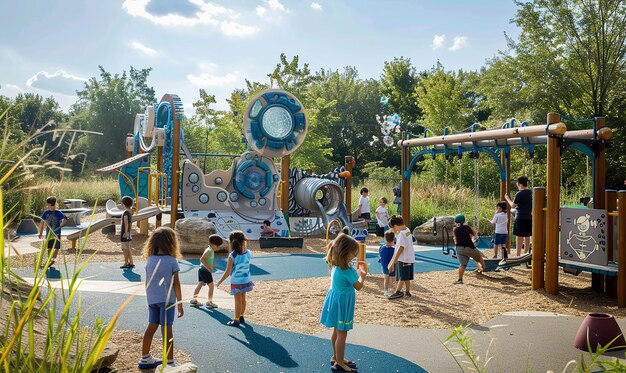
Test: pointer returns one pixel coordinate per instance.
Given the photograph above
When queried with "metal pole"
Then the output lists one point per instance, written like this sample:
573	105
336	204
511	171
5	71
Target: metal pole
406	185
621	249
553	176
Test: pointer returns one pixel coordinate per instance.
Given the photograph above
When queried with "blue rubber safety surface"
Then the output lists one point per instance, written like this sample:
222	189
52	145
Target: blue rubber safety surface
263	267
216	347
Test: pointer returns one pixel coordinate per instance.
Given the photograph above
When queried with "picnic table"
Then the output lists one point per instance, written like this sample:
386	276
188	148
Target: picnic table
74	203
73	215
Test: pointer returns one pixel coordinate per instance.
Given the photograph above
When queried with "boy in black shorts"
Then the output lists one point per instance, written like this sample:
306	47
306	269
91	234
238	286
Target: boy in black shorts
205	275
52	219
465	248
403	257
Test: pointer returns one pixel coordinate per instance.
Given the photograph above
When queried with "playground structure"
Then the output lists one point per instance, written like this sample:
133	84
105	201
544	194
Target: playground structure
608	276
244	195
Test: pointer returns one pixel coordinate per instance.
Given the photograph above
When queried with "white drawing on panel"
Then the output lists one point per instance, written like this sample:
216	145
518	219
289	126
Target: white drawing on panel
582	244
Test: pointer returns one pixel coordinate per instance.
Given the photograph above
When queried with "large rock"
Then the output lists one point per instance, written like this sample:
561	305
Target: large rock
194	234
424	233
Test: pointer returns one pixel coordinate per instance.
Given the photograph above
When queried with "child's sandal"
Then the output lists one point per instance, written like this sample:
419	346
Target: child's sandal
234	323
349	363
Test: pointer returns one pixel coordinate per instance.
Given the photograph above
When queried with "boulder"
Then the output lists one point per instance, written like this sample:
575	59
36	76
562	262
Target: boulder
424	233
194	234
183	368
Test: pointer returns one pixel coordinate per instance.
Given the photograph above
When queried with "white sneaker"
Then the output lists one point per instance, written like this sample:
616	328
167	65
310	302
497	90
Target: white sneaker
386	294
148	362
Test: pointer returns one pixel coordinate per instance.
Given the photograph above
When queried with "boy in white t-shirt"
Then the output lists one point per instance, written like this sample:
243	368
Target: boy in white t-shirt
364	205
382	217
501	221
403	257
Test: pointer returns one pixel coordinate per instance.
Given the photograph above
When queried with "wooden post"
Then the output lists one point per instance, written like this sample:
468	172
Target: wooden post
284	186
553	178
539	200
621	249
406	184
505	161
610	199
361	255
349	164
599	175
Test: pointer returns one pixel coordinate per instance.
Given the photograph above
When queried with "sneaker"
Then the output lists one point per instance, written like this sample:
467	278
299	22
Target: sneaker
131	266
386	294
458	282
396	295
194	302
242	320
124	266
407	294
234	323
210	304
148	362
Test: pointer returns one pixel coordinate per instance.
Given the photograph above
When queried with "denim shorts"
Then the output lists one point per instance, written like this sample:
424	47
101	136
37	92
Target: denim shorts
161	313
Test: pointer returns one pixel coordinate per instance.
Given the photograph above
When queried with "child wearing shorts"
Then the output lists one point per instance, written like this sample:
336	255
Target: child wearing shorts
501	222
205	272
465	247
386	253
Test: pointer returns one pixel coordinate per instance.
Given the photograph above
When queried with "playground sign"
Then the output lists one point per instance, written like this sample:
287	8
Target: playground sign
584	235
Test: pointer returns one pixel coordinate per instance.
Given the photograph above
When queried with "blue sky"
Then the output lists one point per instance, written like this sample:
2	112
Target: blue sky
52	47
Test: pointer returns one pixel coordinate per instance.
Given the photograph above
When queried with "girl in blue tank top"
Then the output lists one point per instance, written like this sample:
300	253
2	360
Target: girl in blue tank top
338	309
238	268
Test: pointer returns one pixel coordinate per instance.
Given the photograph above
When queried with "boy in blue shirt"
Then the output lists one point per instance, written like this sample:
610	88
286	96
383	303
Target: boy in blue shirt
386	253
53	220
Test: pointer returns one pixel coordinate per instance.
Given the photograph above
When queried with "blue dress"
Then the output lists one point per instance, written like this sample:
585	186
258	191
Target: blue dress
338	310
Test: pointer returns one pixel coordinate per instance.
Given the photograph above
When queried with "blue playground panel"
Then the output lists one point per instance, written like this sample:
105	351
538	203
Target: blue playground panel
215	347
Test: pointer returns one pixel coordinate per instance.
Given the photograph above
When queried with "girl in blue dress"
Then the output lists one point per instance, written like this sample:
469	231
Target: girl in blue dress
239	267
338	310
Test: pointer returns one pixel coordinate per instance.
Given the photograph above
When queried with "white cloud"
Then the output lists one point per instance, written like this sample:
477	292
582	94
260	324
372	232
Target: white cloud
438	41
260	11
316	6
13	86
276	5
143	49
207	14
58	82
210	80
459	42
208	76
235	29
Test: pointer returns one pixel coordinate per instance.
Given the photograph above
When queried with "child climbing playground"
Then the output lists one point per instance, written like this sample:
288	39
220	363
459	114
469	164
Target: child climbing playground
239	267
338	309
523	225
52	219
385	253
403	257
501	222
125	235
205	272
465	247
163	293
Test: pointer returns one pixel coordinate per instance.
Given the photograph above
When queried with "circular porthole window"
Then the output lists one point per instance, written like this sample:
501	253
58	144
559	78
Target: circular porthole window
262	201
218	180
193	178
204	198
234	196
277	122
195	188
253	204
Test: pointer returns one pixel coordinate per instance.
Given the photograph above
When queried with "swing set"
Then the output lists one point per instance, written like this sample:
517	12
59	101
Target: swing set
498	145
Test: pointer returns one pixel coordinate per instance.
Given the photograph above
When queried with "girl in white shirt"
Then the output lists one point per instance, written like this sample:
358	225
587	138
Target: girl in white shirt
501	221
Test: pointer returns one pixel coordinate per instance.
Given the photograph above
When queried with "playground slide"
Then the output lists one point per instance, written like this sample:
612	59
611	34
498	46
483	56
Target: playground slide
143	214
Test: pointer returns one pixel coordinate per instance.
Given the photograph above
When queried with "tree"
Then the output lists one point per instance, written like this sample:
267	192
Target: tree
442	96
290	77
570	59
110	104
398	83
